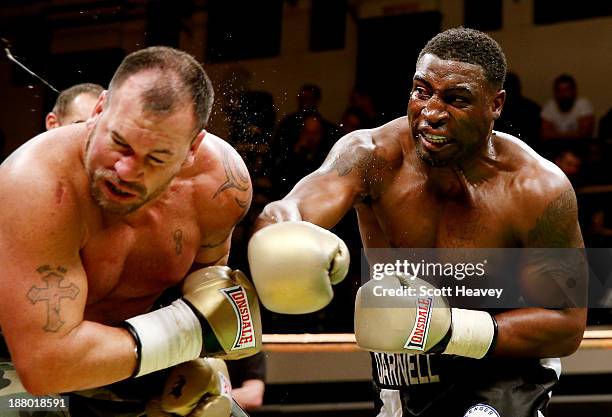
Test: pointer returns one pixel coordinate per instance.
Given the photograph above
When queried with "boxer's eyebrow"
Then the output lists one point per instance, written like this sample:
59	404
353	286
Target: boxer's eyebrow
121	141
421	79
459	88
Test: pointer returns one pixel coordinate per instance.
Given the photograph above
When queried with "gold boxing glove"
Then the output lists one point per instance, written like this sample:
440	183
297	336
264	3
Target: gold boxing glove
415	323
217	316
228	302
295	264
198	388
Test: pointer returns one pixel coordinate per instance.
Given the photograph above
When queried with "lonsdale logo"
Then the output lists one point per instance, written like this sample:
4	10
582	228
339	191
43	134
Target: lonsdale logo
245	337
418	335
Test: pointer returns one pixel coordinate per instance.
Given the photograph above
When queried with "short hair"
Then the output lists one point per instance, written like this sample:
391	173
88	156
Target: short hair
181	77
65	98
473	47
564	78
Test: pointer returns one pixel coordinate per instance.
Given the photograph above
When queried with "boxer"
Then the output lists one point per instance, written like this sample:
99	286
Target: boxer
438	178
73	105
99	218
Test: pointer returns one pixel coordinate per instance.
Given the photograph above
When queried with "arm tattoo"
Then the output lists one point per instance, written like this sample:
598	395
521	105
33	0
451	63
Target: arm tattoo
178	241
554	228
222	241
214	244
235	177
361	159
52	294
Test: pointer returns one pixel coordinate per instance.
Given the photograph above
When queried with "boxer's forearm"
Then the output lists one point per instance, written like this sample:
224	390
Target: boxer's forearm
90	355
540	333
278	212
322	197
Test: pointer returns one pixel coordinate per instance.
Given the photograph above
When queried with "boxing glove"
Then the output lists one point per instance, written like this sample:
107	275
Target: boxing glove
294	264
218	316
200	387
411	323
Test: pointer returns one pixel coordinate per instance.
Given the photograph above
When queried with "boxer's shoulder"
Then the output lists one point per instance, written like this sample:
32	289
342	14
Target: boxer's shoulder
532	175
368	151
47	161
390	139
221	180
41	187
541	193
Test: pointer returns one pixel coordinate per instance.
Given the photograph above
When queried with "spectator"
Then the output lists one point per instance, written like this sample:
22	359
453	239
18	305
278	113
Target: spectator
362	100
570	164
567	116
73	105
520	116
305	155
288	131
352	119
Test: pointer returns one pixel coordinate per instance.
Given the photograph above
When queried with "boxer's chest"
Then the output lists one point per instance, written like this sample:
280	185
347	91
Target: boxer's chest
128	265
411	215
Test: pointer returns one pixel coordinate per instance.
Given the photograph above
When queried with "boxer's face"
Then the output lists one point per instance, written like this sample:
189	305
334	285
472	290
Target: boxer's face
451	110
132	155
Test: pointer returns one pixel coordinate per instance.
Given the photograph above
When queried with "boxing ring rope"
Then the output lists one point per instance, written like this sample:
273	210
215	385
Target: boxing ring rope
345	342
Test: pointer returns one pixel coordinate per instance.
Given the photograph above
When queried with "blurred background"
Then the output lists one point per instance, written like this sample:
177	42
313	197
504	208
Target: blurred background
293	76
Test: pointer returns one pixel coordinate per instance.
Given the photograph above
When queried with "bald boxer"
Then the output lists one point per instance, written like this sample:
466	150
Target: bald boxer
73	105
99	218
438	178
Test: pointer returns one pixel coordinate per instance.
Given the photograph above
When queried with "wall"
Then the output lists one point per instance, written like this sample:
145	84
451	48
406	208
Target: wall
539	53
536	53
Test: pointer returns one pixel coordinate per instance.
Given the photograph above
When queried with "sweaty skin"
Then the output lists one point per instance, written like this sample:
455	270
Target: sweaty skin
442	178
76	266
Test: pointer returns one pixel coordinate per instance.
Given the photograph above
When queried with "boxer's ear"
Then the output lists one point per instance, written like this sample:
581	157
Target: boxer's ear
99	104
195	145
51	121
97	109
497	104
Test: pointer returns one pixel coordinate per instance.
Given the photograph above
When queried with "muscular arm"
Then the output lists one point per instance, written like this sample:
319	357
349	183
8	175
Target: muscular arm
44	292
223	203
324	196
539	332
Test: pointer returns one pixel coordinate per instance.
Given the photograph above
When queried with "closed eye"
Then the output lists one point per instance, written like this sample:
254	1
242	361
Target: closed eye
120	143
156	161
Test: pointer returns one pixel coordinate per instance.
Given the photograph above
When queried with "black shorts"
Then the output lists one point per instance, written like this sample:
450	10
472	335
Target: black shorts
451	386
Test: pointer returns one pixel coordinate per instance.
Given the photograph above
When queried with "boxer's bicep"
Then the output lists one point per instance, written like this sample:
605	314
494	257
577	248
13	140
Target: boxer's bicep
554	272
213	252
553	275
43	282
557	225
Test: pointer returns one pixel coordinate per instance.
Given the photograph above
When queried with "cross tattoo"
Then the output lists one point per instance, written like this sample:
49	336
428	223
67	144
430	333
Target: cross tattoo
53	294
